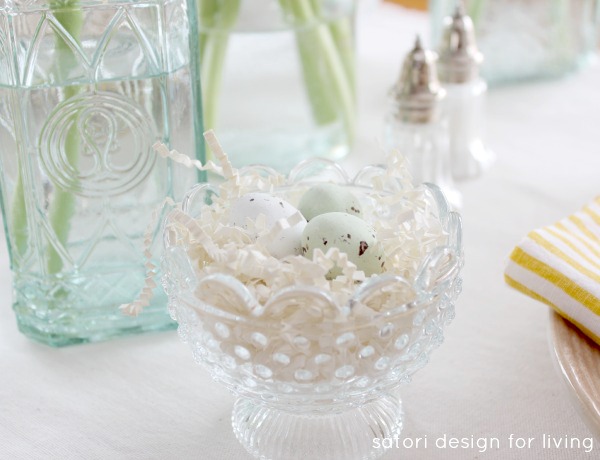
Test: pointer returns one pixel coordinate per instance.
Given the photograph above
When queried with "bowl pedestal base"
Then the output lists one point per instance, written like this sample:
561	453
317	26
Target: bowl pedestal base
270	433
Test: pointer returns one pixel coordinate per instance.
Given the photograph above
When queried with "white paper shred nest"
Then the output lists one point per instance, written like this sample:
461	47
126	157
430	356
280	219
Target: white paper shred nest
407	235
406	224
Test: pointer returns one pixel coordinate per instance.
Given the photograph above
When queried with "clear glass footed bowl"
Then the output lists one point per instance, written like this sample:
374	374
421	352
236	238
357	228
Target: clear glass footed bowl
313	377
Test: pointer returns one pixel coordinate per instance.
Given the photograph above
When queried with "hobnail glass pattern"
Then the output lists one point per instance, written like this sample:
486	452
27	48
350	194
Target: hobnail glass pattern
321	384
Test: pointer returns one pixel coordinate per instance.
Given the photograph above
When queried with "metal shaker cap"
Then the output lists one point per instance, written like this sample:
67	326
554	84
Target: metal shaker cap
459	59
418	92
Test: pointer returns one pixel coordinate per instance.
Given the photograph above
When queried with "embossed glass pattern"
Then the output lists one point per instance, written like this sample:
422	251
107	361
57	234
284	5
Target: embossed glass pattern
85	91
316	388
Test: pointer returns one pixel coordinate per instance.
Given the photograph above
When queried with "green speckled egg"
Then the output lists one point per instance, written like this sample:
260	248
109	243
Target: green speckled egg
323	198
349	234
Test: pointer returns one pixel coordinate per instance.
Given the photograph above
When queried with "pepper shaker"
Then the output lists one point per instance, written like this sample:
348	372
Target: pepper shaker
464	106
413	124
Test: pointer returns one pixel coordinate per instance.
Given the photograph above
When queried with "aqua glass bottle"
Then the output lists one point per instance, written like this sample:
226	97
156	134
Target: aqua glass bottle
86	89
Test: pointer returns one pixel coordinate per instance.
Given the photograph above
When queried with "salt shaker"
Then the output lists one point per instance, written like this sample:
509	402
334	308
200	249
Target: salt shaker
458	66
413	124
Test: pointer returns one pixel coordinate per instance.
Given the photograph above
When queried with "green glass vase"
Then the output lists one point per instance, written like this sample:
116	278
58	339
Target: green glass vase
86	89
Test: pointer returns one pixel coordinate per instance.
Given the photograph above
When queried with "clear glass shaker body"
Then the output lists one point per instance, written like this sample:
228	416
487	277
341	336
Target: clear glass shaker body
426	148
464	112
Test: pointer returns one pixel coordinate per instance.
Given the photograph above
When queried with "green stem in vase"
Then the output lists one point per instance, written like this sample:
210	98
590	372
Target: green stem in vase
476	10
342	31
320	94
69	16
19	215
217	17
212	75
207	14
62	207
329	85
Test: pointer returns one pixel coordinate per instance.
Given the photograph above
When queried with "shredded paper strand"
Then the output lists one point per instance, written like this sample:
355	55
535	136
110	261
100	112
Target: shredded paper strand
143	300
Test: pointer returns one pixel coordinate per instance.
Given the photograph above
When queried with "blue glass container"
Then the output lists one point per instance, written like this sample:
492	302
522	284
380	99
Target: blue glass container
86	89
527	39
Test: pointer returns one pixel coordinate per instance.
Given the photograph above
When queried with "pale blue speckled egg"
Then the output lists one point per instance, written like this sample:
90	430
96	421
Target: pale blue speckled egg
326	197
349	234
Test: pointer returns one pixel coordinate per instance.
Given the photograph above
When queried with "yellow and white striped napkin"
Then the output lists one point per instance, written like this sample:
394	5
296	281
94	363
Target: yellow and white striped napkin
560	266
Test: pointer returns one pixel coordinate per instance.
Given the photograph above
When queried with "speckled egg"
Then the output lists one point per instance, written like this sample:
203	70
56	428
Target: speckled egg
251	205
349	234
323	198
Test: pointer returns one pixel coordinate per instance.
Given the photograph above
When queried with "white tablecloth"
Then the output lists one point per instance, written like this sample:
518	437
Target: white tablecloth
144	398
